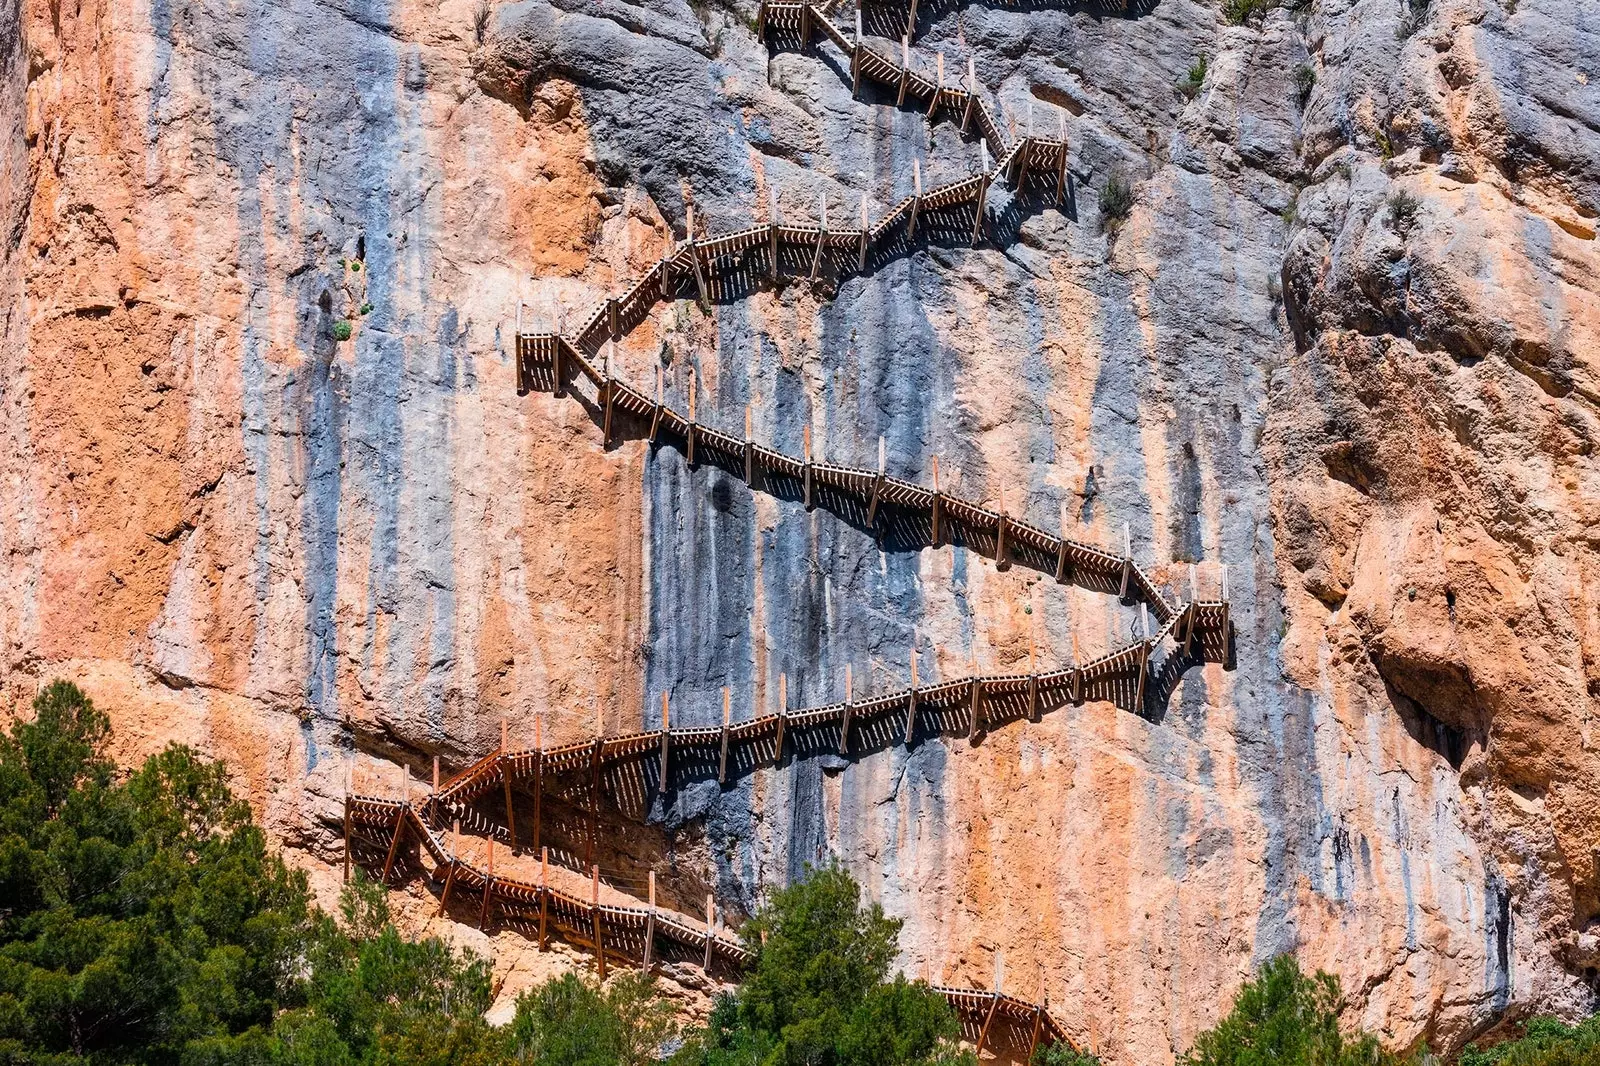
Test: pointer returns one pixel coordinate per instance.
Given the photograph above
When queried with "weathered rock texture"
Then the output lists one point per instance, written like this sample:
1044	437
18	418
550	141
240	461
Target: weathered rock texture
1345	343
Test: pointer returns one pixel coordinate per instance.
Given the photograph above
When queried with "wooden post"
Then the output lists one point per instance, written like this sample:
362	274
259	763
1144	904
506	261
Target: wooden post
1077	674
455	863
594	913
594	795
693	418
614	317
983	193
761	22
1227	610
394	844
822	232
976	688
772	229
911	21
516	347
347	834
1127	561
1000	560
665	267
505	777
866	231
1033	683
783	718
488	890
1193	611
666	740
711	917
436	775
655	419
749	448
544	899
1061	166
1038	1029
972	93
1144	658
911	702
877	485
934	533
1063	567
694	257
610	391
916	199
844	725
805	435
538	776
1025	150
650	926
855	60
905	71
558	373
988	1020
727	713
938	84
805	25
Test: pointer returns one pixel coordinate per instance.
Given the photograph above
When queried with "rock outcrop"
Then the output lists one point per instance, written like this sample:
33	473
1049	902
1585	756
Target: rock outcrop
1342	343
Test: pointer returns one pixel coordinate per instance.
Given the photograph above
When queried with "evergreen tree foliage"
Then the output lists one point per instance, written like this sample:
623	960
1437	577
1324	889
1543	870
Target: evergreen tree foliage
819	991
1284	1017
571	1021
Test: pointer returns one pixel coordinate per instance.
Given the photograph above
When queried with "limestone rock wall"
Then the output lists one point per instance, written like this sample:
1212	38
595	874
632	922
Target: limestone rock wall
1378	409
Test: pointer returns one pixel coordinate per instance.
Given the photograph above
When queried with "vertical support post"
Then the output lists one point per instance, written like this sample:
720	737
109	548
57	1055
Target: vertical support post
1001	562
805	25
594	913
455	864
614	317
855	60
911	21
983	194
1227	611
504	765
783	718
866	233
773	221
1063	570
905	71
666	740
1061	165
934	532
594	793
544	899
938	84
1127	562
394	844
349	780
610	392
849	706
558	372
877	485
1194	611
1033	682
988	1020
761	29
538	776
665	267
655	418
1144	658
727	714
1038	1029
749	447
1077	674
692	416
711	918
972	94
911	702
975	687
516	349
1023	152
822	232
650	926
916	199
488	890
694	257
805	435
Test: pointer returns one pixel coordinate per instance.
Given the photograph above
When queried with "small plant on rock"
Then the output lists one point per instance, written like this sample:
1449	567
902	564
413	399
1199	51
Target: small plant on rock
341	330
480	21
1116	200
1305	79
366	309
1403	208
1190	86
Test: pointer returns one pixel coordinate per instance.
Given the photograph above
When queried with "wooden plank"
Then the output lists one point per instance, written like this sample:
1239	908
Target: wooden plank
988	1020
1038	1028
866	231
650	924
599	935
394	845
911	701
1127	562
916	199
905	71
849	707
972	94
934	534
1063	568
773	220
1001	562
544	899
455	864
783	718
1061	166
806	473
822	233
855	62
666	740
538	777
749	449
655	419
594	794
727	710
877	487
976	724
505	778
938	85
711	917
692	419
488	890
347	834
694	258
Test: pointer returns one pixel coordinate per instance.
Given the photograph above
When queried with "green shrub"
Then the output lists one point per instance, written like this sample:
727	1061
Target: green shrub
1116	200
1238	12
572	1021
1403	208
341	330
1190	86
1545	1042
355	265
1286	1018
366	309
1305	79
1062	1055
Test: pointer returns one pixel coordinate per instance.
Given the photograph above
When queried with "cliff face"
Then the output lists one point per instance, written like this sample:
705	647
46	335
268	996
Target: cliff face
1343	344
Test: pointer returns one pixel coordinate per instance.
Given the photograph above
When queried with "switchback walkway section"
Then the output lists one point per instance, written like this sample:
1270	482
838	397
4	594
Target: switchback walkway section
645	936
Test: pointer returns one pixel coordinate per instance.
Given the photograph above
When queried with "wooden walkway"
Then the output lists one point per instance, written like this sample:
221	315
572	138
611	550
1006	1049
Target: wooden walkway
646	936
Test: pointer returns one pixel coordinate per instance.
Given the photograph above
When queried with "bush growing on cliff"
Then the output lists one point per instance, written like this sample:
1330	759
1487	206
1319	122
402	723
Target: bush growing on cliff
573	1021
1284	1017
819	990
1545	1042
342	330
1116	200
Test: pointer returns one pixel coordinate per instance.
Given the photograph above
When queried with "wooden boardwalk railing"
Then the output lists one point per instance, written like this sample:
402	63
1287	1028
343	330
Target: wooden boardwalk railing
642	935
